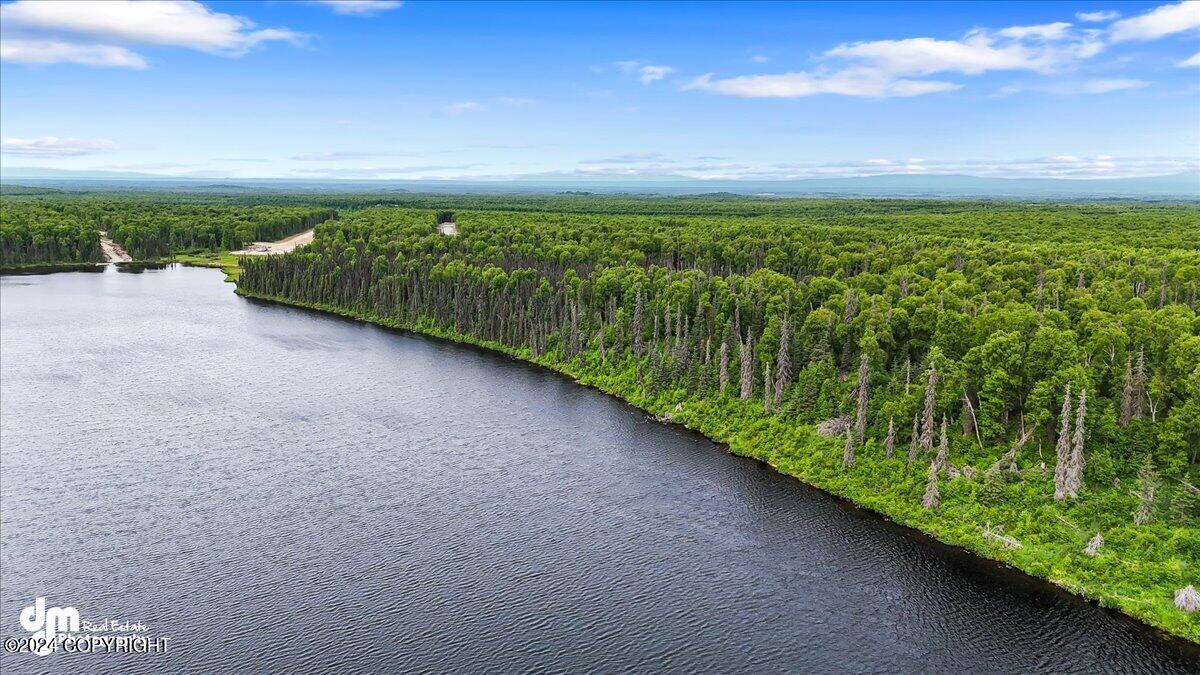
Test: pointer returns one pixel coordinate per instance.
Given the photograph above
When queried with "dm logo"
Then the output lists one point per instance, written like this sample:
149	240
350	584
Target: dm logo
46	624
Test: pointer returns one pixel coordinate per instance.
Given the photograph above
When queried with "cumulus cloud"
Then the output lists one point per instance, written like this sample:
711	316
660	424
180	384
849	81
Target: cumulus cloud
1158	23
898	68
645	72
53	146
1046	31
1191	62
1043	48
462	107
904	67
360	7
1098	17
43	52
866	83
95	33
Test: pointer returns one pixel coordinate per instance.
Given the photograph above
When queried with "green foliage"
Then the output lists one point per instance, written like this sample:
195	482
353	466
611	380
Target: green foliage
61	228
1007	303
32	234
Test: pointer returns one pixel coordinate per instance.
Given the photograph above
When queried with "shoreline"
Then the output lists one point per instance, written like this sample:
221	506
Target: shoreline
1187	630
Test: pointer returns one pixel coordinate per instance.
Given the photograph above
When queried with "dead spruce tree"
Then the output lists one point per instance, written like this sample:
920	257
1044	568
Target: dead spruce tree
914	444
1139	386
932	499
942	461
723	371
783	361
889	445
638	325
930	401
848	450
1075	466
1062	450
767	394
747	372
863	392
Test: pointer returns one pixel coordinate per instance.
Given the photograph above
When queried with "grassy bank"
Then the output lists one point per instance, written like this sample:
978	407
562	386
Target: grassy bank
225	261
1136	571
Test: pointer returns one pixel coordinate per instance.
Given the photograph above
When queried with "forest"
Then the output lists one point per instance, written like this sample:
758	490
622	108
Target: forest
1021	380
56	228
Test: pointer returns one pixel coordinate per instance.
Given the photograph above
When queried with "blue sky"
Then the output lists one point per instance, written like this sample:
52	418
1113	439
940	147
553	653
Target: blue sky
707	90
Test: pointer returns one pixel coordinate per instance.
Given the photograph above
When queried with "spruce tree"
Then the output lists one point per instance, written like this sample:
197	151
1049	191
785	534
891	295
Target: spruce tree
1062	450
932	499
930	401
863	397
747	372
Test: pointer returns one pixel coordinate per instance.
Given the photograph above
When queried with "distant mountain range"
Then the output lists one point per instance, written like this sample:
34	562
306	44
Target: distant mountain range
1174	186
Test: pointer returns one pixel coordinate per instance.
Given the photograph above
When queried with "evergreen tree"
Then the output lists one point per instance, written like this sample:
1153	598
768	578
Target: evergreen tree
1062	449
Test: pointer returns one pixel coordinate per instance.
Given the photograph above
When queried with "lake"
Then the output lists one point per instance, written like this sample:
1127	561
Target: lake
275	489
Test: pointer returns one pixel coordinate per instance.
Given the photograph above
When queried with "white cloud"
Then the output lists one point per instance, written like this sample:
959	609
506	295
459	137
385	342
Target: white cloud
1158	23
631	158
1104	86
92	33
1061	166
645	72
865	83
52	146
1075	87
341	155
899	68
1192	61
43	52
516	101
1046	31
360	7
462	107
759	58
1043	48
1098	17
649	74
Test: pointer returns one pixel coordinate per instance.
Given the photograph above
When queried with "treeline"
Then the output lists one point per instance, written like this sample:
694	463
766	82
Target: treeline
991	388
32	234
64	228
156	230
1007	326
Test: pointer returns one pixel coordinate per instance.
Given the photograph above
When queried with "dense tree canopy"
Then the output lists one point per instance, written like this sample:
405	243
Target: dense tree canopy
62	228
1041	355
1021	379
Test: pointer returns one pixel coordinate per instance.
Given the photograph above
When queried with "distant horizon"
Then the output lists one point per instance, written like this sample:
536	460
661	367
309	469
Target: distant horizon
1184	185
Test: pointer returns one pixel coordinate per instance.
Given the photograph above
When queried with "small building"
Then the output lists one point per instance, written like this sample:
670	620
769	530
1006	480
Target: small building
449	228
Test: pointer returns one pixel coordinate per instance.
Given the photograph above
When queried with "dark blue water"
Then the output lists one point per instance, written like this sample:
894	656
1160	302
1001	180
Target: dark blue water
279	490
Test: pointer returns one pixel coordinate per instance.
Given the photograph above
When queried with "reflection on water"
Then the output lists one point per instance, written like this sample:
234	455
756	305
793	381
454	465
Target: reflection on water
278	490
